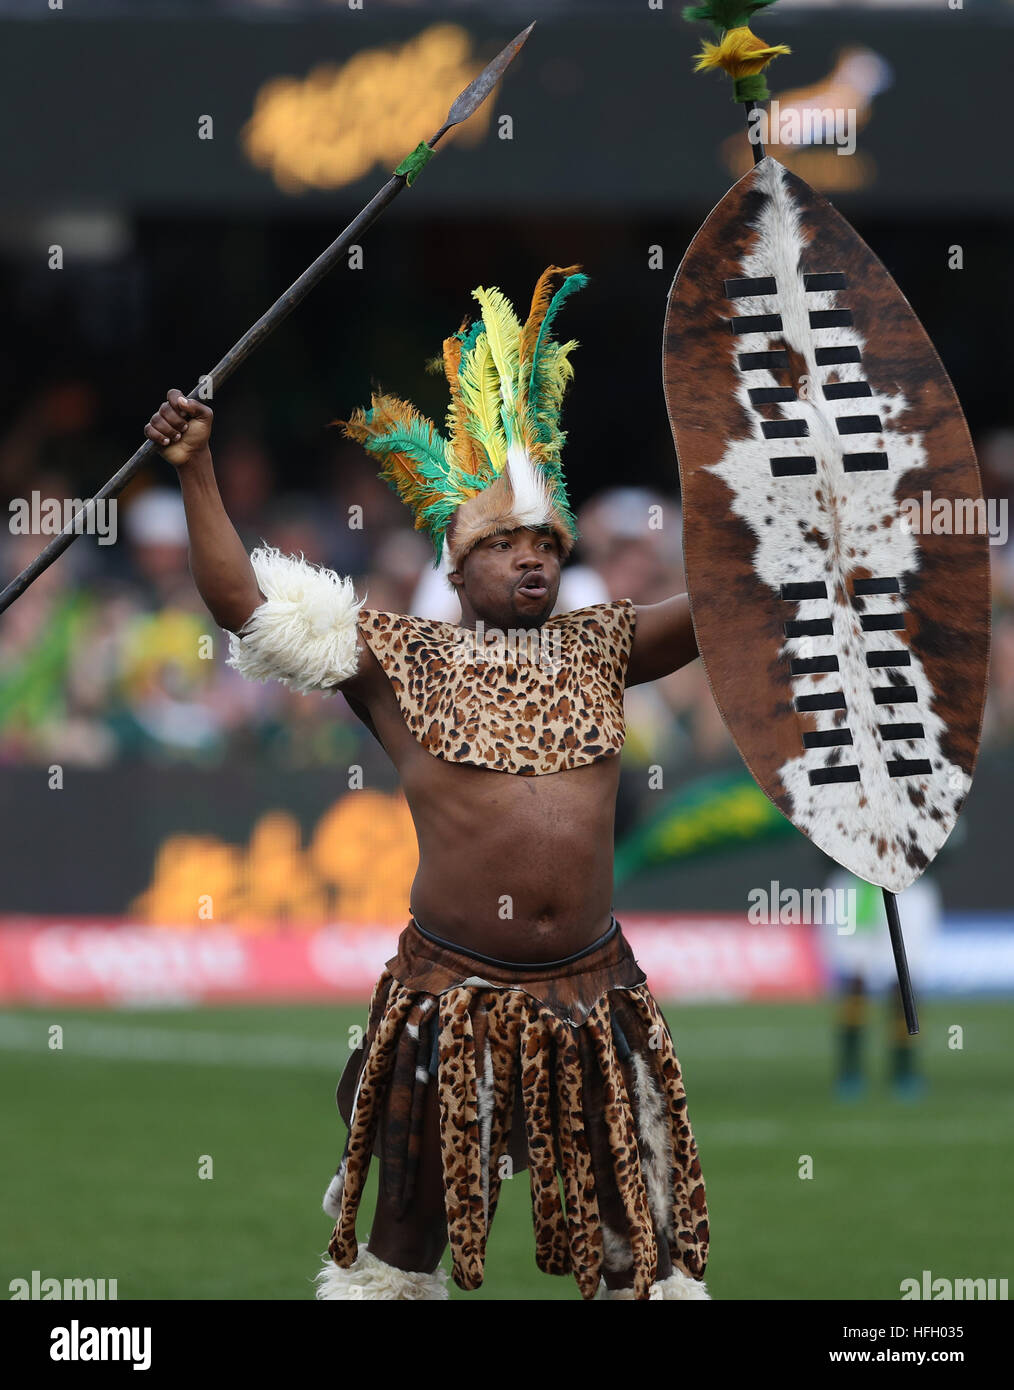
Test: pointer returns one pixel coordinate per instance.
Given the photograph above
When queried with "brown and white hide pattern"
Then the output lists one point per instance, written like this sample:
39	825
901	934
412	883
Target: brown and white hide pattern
572	1076
846	652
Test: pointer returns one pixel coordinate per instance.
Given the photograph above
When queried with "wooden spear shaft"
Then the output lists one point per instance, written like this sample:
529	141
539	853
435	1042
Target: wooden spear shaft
463	106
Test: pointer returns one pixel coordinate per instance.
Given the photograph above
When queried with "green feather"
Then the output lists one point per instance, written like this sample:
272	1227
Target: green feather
725	14
469	336
436	518
540	375
419	442
554	375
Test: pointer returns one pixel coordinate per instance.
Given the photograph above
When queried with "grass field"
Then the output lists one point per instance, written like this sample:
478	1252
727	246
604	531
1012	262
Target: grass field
102	1143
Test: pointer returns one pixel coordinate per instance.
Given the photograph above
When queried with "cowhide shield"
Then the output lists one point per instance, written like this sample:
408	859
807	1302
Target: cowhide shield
846	641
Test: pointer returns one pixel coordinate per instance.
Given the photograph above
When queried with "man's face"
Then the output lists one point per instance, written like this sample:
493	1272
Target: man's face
511	579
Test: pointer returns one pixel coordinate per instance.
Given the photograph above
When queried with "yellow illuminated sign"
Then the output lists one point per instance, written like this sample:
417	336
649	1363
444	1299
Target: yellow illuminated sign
358	867
329	128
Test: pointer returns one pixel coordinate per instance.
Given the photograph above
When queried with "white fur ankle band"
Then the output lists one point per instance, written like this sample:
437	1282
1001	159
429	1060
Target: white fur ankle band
678	1285
370	1278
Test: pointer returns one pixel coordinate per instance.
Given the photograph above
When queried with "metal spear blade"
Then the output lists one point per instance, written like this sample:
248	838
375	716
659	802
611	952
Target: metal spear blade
480	87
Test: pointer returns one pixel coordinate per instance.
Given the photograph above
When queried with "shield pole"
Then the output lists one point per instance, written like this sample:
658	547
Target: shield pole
750	88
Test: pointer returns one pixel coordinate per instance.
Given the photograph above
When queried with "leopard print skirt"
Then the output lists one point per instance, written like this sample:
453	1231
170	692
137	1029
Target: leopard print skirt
571	1074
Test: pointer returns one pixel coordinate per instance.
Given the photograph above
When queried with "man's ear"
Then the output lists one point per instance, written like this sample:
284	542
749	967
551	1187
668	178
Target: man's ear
456	578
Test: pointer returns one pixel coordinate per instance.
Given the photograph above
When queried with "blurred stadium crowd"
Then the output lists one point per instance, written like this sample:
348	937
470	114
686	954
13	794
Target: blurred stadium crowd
102	660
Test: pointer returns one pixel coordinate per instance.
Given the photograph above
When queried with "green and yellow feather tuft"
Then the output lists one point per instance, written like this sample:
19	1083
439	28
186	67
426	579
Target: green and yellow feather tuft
507	382
725	14
739	51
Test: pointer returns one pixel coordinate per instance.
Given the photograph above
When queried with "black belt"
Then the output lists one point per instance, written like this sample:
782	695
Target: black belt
610	932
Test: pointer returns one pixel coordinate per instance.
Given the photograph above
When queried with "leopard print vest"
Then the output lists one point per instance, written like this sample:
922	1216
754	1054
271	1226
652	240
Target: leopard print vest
520	702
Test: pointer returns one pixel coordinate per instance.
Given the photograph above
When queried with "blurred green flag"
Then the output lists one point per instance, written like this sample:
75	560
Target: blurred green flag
713	813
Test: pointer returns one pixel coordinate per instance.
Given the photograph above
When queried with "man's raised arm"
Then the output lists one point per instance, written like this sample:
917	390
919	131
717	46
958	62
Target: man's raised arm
664	640
291	621
221	567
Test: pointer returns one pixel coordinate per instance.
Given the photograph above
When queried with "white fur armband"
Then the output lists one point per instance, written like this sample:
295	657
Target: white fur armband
304	634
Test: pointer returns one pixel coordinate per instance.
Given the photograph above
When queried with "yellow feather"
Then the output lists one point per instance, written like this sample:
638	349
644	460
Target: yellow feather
504	333
741	53
557	373
480	392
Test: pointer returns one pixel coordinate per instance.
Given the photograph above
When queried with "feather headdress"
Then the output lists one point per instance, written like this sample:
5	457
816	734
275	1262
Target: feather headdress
498	468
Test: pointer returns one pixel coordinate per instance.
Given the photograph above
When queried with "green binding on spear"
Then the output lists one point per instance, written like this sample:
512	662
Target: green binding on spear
740	52
413	164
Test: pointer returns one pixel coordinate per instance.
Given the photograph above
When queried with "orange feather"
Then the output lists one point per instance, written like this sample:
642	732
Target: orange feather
541	298
466	451
397	468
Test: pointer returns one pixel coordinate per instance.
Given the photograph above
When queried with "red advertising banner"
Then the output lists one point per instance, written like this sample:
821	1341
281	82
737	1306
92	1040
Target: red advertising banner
96	962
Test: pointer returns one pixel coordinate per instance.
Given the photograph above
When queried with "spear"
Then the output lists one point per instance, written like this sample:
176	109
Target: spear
404	175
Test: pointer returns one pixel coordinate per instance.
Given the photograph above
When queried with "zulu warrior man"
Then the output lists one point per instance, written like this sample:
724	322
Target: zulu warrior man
513	1029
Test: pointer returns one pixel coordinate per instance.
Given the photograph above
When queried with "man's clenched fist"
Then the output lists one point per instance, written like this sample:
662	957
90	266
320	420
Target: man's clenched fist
181	428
